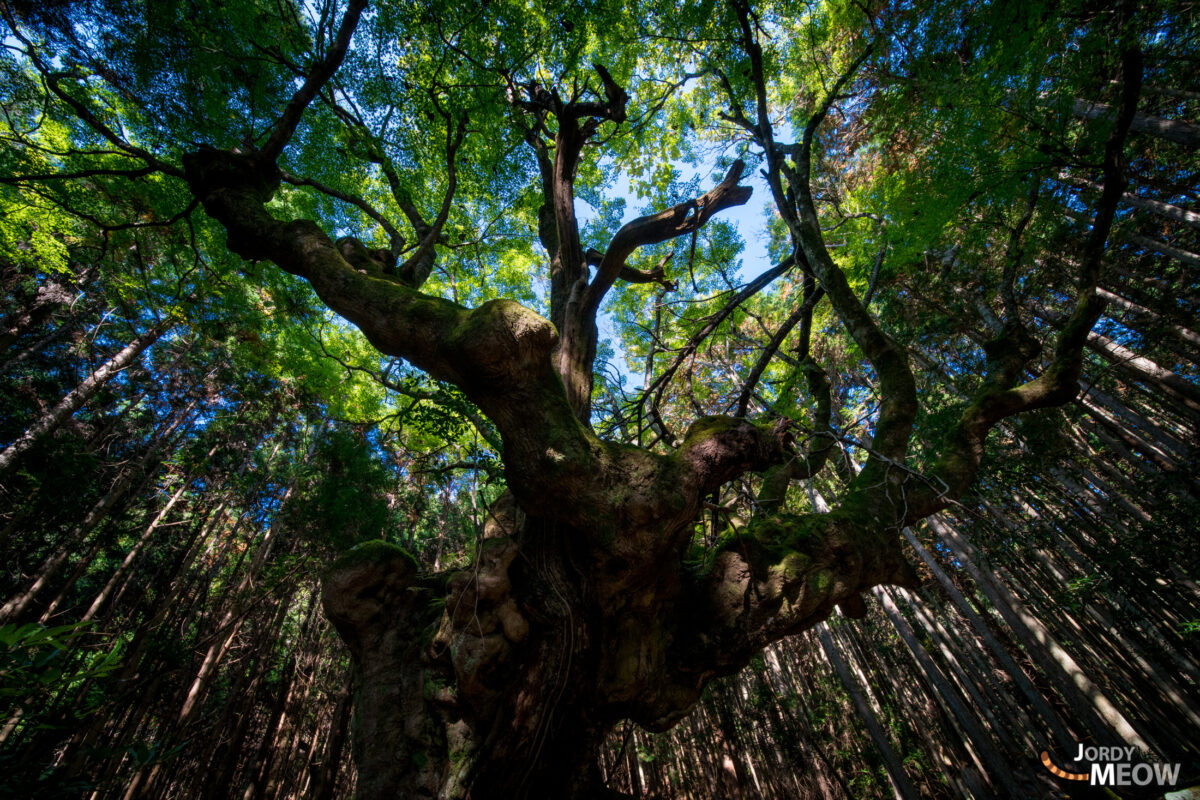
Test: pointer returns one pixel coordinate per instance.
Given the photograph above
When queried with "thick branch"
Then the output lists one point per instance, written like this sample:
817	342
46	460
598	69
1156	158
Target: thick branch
611	108
654	228
498	354
630	275
798	209
898	397
1013	258
782	575
716	450
776	480
577	121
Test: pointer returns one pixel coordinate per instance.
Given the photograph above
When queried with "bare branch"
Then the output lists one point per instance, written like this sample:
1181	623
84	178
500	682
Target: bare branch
1013	258
354	200
655	390
420	263
802	311
288	121
654	228
962	449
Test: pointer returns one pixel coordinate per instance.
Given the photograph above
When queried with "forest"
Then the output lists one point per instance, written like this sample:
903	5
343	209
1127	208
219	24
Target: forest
750	399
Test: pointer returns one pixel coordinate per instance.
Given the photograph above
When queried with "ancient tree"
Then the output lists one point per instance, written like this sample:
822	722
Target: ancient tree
594	596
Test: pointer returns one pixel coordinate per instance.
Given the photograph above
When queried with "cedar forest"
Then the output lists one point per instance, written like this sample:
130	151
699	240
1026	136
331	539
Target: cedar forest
705	399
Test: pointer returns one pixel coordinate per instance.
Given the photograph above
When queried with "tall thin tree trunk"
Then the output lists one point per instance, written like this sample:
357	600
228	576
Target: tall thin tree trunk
975	739
182	422
48	297
330	765
1150	319
77	397
1173	130
36	347
20	602
127	563
1047	714
221	639
1105	722
902	787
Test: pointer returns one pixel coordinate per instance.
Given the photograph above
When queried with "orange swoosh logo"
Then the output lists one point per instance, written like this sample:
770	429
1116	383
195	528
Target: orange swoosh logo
1062	773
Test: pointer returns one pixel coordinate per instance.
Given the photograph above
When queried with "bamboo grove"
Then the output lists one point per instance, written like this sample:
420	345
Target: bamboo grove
190	435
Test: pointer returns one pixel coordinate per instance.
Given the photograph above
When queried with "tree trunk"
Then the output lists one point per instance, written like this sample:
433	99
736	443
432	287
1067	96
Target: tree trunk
1092	399
1168	210
49	296
417	731
20	602
976	741
1094	710
1062	737
76	398
1179	254
273	751
326	770
1137	367
126	564
1151	322
902	788
41	344
182	421
1143	369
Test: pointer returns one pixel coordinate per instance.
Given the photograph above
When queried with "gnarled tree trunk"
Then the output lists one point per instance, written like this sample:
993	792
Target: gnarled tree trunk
503	679
580	610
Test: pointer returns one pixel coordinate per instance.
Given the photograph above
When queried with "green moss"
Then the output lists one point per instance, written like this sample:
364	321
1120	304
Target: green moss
426	308
792	566
470	325
459	757
433	685
781	534
374	551
705	427
821	581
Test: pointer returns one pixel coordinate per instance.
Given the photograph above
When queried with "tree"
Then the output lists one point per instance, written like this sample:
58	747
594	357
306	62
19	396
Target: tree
606	586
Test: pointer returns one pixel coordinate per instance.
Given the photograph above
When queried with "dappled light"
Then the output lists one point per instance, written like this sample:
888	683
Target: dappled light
774	400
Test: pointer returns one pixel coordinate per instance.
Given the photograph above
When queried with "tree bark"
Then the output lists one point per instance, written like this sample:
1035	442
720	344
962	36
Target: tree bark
20	602
902	787
48	297
1047	714
1097	712
502	680
1152	321
76	398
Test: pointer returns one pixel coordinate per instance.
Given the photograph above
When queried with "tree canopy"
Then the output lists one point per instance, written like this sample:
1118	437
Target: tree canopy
608	344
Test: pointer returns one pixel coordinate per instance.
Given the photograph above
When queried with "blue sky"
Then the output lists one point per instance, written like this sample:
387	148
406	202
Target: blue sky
749	219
